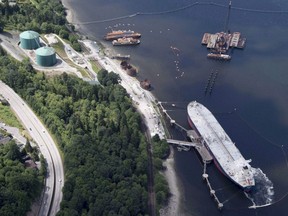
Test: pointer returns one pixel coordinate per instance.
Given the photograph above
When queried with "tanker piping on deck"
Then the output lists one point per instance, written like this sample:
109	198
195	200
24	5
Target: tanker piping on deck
226	155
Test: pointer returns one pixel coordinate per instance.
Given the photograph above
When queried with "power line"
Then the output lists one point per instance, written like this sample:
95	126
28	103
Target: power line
212	4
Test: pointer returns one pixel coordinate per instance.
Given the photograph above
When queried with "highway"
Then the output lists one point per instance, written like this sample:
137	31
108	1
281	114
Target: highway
52	196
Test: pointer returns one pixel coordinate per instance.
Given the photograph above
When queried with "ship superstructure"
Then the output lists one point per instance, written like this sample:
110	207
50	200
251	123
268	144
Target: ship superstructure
226	155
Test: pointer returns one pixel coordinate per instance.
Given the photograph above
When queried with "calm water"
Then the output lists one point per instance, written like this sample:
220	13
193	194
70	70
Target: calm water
254	82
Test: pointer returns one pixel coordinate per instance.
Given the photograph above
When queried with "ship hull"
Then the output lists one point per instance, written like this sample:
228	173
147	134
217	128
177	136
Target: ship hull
114	35
126	44
222	169
110	38
219	167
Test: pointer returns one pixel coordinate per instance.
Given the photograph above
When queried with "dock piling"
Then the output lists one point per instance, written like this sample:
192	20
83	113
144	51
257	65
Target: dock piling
198	143
212	192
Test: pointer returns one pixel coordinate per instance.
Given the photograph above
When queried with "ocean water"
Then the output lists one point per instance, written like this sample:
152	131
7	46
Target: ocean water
249	97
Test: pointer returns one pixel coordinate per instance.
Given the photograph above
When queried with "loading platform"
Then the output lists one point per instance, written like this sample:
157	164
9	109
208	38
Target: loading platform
197	143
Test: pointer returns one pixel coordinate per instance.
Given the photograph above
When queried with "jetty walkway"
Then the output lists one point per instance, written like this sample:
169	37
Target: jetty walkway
198	143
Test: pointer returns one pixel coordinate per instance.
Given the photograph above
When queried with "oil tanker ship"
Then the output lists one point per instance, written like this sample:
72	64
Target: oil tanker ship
114	35
226	155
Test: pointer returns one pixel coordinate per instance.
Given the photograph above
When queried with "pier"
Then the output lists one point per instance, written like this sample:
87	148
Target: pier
199	146
212	192
195	141
198	143
172	121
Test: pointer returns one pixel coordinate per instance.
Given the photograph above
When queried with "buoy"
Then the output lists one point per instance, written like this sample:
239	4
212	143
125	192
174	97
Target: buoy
212	192
205	176
220	206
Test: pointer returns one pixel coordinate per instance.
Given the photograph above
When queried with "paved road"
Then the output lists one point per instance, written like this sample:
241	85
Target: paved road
55	172
15	132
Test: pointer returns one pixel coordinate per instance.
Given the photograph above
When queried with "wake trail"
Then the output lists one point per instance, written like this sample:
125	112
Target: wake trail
263	193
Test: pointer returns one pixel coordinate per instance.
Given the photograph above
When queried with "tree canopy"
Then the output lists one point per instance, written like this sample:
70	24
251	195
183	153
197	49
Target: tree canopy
19	186
43	16
98	130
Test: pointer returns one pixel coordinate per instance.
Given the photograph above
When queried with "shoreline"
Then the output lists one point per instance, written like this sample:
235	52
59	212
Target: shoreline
143	101
173	206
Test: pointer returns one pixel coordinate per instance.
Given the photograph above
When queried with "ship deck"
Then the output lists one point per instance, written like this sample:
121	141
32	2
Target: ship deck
219	143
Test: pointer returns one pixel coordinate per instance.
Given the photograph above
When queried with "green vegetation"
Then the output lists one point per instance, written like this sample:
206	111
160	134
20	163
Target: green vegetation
19	186
43	16
95	66
98	130
161	151
160	148
8	117
96	127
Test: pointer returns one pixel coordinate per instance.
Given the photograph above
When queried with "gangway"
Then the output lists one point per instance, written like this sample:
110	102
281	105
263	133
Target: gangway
182	143
197	143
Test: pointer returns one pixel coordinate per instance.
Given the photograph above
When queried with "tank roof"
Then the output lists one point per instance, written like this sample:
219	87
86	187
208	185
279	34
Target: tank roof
45	51
29	35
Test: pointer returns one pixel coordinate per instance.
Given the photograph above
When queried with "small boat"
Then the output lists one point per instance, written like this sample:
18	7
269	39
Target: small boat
121	57
219	56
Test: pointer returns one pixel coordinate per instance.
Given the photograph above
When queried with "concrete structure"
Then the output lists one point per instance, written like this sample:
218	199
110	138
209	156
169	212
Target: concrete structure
29	40
46	56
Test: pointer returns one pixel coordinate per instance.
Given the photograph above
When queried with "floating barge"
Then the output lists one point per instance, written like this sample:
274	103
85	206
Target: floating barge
126	41
130	70
145	84
222	40
114	35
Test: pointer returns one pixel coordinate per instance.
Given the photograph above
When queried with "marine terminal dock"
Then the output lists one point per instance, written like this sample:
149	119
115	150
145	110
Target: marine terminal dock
222	41
219	44
198	143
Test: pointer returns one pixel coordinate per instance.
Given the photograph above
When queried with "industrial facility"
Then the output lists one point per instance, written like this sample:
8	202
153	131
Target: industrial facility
46	56
29	40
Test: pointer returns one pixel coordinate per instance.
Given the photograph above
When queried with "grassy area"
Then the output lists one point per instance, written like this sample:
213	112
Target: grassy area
95	66
8	117
59	48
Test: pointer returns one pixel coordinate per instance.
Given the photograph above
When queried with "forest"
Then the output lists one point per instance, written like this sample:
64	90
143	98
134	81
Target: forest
19	185
98	130
96	127
42	16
